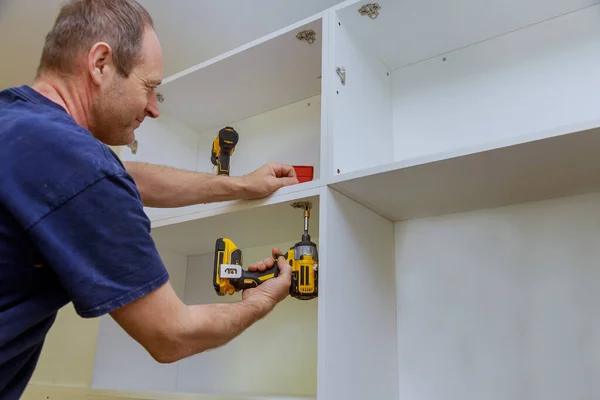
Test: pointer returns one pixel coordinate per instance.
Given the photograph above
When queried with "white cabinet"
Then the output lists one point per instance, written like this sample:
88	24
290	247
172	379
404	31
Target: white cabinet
455	147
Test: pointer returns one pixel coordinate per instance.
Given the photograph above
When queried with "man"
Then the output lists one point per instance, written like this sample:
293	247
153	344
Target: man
72	225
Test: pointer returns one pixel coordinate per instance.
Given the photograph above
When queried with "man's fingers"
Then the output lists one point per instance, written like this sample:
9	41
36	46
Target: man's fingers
252	267
269	262
284	267
284	170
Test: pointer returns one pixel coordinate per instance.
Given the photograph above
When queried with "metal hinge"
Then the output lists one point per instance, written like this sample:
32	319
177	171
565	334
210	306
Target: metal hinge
133	146
308	35
371	9
341	71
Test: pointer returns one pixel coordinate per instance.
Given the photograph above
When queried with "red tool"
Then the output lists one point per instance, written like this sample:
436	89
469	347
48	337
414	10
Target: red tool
304	173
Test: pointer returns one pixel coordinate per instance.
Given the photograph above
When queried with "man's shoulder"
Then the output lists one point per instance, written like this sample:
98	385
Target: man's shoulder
46	157
48	133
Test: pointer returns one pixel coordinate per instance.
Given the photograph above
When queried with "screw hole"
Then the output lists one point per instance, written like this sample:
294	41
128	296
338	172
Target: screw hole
339	23
337	91
338	171
444	59
388	74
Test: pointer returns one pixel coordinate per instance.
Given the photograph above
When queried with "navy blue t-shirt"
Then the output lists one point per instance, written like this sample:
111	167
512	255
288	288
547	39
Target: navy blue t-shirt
72	229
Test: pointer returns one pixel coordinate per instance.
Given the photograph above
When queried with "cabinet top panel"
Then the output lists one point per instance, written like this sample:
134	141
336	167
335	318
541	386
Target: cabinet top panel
406	32
269	73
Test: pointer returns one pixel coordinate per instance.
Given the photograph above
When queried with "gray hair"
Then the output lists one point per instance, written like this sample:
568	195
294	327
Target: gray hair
82	23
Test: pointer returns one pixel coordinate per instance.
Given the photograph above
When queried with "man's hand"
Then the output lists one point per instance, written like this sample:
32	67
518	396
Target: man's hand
276	289
268	179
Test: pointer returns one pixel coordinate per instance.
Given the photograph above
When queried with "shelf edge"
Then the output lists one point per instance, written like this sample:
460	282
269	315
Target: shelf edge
188	396
467	151
201	211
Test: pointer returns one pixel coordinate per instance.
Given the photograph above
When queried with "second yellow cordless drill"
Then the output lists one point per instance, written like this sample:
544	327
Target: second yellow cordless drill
222	149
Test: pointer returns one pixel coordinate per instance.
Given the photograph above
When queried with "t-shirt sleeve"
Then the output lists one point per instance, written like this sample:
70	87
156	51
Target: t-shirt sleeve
98	243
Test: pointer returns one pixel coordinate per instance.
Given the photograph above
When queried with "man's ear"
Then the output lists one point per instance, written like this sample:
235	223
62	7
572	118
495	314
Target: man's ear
100	62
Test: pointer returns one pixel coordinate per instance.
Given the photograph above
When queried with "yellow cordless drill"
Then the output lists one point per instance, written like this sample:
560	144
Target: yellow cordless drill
230	277
222	149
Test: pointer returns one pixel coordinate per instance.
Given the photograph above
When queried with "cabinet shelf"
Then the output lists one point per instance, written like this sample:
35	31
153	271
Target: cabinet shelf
162	217
187	396
248	226
538	167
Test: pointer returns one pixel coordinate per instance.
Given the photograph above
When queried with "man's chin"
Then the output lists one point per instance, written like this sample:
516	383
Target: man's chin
121	141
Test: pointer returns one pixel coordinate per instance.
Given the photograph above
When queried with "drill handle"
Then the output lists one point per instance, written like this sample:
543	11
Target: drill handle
223	163
251	279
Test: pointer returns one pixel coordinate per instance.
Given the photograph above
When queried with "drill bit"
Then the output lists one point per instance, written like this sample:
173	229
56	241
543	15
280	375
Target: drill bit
306	205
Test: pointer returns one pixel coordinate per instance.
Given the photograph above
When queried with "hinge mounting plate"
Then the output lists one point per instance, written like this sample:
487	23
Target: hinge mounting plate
308	35
371	10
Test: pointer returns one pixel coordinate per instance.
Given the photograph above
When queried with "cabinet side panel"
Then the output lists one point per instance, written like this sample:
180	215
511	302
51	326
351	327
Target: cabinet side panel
523	83
501	303
361	107
357	325
121	363
277	356
166	142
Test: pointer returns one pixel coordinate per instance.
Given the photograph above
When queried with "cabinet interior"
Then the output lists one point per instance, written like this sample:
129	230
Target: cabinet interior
468	107
284	343
269	91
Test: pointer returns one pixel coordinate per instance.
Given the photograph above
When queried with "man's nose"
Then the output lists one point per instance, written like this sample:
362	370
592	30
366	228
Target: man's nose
152	107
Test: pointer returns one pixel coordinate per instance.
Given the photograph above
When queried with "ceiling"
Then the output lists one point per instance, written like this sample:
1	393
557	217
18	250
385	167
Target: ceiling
191	31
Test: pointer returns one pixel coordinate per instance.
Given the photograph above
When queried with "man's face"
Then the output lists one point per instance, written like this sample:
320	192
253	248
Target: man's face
123	103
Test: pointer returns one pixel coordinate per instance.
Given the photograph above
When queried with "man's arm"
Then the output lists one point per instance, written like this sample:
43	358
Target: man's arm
170	330
167	187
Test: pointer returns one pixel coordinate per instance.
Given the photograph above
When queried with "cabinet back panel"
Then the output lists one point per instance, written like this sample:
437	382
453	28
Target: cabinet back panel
283	344
166	142
536	79
501	303
289	135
